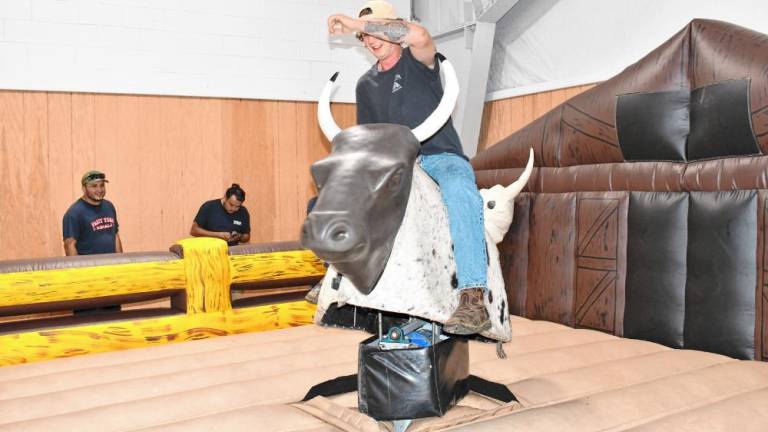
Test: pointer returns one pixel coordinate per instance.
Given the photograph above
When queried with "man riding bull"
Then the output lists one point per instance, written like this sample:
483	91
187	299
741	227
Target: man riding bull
403	87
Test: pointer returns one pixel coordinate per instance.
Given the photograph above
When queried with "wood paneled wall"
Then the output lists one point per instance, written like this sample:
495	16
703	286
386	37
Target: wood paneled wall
503	117
163	157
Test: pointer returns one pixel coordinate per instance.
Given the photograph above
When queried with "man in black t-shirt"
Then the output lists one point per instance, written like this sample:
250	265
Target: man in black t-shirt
225	218
404	87
90	224
90	227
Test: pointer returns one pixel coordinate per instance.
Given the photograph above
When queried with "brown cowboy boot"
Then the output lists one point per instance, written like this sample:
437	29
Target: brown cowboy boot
470	316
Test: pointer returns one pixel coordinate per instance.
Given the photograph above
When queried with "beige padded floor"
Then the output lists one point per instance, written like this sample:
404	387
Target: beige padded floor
566	379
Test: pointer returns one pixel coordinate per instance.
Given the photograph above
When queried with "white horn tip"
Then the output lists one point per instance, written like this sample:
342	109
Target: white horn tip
324	116
445	107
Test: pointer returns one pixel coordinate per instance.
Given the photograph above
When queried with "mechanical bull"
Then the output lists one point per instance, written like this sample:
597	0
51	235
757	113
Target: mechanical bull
380	222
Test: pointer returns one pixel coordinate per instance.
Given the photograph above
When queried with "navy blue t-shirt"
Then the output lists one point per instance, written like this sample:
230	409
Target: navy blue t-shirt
94	227
406	94
212	216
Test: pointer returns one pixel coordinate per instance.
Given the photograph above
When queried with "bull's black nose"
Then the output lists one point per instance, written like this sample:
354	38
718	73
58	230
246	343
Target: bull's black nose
337	237
339	233
329	235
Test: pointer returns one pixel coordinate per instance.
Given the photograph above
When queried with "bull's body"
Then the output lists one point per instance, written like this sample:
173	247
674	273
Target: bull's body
419	276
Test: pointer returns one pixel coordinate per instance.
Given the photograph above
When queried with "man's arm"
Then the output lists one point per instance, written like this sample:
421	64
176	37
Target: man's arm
398	31
118	244
69	246
71	231
197	231
245	236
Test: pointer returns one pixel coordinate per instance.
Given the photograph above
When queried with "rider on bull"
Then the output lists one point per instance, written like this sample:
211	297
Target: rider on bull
404	87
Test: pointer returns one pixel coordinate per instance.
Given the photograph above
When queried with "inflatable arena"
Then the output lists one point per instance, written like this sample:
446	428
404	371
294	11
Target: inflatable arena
624	248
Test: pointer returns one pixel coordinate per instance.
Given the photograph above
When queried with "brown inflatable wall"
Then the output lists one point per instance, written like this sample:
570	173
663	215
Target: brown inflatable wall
676	140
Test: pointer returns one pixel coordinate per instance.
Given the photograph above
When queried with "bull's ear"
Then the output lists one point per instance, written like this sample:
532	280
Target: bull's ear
324	116
442	113
319	171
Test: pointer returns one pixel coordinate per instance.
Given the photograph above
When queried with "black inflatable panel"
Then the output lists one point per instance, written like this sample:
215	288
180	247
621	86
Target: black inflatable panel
720	121
653	126
722	273
657	236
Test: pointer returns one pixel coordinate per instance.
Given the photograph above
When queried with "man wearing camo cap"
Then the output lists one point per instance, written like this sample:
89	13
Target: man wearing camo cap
90	224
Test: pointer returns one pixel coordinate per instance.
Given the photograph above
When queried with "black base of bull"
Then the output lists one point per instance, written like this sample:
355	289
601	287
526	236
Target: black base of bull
411	383
405	384
408	383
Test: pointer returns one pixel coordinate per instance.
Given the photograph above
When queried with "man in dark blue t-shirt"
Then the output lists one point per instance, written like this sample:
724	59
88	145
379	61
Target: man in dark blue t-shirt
90	227
225	218
90	224
403	87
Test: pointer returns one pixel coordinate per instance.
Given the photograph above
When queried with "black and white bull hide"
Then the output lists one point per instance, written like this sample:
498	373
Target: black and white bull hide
379	221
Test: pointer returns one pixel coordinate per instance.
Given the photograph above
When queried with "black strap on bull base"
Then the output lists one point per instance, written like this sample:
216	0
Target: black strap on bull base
333	387
348	384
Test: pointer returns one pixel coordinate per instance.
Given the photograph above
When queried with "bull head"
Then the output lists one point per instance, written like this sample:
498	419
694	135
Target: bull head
499	204
363	187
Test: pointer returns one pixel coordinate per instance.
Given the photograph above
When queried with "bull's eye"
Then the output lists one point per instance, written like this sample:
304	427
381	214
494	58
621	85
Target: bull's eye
389	181
491	204
393	183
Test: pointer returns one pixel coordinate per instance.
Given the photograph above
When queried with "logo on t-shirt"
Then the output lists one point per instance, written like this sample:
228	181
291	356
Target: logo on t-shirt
396	85
102	223
237	222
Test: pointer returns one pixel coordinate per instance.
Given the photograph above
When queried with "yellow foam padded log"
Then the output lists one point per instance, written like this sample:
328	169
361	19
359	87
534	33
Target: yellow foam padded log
113	336
206	267
206	272
210	271
89	282
275	266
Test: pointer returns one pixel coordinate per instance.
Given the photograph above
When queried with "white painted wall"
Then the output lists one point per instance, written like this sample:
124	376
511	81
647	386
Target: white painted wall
260	49
547	44
279	49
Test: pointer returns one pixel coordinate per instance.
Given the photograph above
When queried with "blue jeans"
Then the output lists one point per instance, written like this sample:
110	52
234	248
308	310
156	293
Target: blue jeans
465	215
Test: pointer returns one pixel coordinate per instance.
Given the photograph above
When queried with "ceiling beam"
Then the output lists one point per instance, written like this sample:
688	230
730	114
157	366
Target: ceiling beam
493	10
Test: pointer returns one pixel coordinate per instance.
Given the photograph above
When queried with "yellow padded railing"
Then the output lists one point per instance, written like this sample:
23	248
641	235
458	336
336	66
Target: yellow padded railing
89	282
205	273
